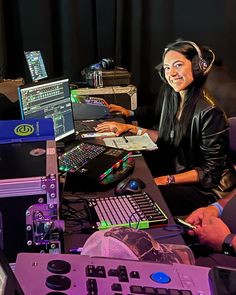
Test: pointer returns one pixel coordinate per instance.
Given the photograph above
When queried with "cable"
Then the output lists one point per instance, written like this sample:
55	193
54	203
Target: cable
171	227
78	221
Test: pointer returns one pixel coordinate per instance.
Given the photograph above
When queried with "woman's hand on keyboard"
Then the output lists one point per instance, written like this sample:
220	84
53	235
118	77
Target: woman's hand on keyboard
117	128
120	109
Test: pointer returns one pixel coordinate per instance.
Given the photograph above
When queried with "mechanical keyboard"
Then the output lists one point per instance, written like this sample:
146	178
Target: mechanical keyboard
78	156
136	210
40	274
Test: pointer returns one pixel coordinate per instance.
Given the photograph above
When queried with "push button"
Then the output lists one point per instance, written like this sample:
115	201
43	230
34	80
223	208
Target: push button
160	277
58	266
57	282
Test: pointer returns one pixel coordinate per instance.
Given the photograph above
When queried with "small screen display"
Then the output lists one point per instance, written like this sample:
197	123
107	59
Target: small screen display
36	65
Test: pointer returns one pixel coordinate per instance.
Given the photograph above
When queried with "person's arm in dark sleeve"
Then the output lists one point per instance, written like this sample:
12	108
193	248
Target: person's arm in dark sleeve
213	147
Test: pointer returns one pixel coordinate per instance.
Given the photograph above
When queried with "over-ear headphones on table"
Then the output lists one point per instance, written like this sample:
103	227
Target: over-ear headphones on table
200	66
105	63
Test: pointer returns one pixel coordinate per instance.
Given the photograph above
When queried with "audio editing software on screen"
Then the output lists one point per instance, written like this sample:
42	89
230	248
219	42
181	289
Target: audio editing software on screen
49	99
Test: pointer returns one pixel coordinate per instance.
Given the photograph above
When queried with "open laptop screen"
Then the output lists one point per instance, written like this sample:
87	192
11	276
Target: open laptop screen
49	99
36	65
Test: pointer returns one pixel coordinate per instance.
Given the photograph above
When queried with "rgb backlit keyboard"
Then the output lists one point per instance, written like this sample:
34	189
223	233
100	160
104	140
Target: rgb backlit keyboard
77	157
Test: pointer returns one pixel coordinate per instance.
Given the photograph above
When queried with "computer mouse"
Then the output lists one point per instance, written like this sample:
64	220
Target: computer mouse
129	185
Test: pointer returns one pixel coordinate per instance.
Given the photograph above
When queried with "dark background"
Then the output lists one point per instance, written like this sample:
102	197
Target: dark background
73	34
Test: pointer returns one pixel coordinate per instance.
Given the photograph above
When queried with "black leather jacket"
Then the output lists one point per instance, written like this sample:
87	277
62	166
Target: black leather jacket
205	147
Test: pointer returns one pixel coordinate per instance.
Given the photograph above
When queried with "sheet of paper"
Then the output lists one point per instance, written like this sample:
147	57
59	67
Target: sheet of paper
131	143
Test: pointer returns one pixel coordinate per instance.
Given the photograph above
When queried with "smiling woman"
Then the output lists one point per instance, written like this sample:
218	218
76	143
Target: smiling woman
191	130
178	71
193	127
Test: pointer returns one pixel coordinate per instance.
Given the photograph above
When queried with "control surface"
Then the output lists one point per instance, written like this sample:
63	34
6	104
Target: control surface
77	274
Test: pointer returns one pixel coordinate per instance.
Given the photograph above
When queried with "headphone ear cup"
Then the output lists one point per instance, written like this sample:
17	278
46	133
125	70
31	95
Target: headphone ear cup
199	66
107	63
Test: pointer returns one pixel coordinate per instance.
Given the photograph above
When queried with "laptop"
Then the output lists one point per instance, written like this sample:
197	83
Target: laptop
36	65
51	99
90	111
89	125
8	282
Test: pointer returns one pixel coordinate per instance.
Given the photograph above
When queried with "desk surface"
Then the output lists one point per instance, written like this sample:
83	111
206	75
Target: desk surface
141	170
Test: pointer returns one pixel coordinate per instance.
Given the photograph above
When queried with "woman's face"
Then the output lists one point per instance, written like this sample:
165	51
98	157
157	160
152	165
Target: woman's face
178	70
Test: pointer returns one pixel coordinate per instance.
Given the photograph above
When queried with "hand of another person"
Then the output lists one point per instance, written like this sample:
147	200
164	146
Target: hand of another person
213	233
120	109
202	215
117	128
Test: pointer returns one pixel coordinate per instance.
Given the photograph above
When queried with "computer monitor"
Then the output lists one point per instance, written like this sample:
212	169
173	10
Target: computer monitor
36	65
49	99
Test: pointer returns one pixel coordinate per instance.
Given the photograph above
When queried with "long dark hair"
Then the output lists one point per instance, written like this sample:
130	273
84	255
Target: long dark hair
170	128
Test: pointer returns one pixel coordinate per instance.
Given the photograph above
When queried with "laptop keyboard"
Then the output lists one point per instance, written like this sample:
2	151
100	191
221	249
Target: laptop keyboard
87	126
83	127
80	155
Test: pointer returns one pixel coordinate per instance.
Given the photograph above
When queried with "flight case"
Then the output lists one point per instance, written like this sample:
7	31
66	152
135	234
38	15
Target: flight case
126	96
29	198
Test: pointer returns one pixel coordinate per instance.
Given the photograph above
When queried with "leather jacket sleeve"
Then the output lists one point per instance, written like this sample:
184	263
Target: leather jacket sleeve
210	136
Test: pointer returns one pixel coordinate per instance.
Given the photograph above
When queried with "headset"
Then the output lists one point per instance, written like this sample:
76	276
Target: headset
92	74
105	63
200	66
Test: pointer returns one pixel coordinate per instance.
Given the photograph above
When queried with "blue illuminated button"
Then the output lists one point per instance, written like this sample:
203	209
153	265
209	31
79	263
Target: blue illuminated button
133	184
160	277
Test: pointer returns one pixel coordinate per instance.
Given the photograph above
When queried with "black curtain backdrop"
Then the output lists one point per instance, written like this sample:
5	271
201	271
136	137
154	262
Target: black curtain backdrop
73	34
